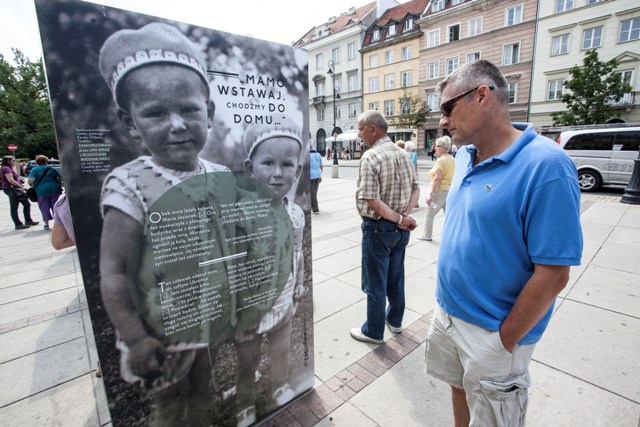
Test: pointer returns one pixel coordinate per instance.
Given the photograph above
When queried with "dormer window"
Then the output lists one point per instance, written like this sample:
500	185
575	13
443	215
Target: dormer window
408	24
437	6
376	35
392	30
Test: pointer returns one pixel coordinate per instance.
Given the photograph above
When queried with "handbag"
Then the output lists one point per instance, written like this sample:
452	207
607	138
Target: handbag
20	193
31	192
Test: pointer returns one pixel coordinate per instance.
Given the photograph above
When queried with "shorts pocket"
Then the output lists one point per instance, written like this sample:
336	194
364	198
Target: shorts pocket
502	401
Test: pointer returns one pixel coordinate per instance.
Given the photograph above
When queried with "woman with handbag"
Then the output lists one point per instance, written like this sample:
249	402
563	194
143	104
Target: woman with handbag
47	183
14	190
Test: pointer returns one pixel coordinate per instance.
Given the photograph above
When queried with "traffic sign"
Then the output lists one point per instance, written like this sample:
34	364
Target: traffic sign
12	147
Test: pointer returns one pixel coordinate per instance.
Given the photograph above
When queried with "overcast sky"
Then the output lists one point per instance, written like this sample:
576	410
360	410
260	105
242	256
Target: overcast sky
280	21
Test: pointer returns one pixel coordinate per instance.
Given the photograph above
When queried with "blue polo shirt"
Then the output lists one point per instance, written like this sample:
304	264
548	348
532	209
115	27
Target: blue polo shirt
514	210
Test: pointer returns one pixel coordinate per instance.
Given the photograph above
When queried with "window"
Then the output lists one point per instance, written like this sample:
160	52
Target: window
389	82
629	30
563	5
374	106
592	38
405	106
319	61
388	108
351	51
433	102
560	45
452	65
511	54
453	33
337	81
405	77
335	55
513	15
408	24
433	38
353	110
591	141
388	57
373	61
455	2
513	89
627	98
593	1
373	84
320	88
392	30
555	90
352	82
437	5
433	70
376	35
406	53
474	27
473	56
320	114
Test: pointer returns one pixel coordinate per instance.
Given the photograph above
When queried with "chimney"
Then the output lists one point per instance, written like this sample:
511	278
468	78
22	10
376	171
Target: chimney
383	5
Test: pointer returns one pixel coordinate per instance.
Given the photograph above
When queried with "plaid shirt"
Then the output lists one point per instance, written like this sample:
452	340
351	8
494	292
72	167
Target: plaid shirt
386	174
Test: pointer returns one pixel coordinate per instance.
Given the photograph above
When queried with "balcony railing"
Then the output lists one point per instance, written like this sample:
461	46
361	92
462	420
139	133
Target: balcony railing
628	100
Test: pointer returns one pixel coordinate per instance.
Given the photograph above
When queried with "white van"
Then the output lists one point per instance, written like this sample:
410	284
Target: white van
603	156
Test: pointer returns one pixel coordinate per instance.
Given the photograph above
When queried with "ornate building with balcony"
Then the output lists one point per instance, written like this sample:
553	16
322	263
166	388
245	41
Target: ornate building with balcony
568	28
457	32
335	70
390	55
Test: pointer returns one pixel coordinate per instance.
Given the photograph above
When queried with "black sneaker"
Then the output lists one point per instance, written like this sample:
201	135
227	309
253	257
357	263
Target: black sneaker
22	226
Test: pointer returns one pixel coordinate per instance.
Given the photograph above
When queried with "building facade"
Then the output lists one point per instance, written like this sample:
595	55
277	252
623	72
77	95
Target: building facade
456	32
390	55
566	30
335	71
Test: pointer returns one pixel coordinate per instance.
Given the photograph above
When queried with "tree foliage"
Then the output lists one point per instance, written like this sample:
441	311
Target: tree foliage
25	114
418	113
593	87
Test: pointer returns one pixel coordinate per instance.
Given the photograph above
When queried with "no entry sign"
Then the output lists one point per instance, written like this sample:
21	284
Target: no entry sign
12	147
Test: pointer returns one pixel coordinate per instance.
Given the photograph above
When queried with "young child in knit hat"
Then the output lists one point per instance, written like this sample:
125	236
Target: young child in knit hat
158	80
273	159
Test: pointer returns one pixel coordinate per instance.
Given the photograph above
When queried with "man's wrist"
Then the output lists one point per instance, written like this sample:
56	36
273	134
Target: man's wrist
400	220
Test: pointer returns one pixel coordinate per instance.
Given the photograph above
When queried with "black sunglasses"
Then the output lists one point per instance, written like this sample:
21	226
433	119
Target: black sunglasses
447	107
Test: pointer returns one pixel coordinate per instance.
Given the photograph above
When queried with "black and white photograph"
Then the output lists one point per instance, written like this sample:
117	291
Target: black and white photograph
186	161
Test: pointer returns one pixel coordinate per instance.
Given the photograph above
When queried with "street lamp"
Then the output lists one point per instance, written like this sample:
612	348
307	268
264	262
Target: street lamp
336	95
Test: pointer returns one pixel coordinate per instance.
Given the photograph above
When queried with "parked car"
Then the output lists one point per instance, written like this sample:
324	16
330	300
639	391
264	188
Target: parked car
603	156
32	164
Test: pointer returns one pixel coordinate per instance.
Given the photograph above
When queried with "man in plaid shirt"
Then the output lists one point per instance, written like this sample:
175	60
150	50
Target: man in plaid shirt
387	192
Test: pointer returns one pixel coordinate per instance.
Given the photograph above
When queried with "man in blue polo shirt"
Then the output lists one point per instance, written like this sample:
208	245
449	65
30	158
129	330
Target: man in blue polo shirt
513	229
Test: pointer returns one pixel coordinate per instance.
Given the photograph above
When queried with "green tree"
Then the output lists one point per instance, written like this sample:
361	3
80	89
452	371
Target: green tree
25	113
592	88
414	112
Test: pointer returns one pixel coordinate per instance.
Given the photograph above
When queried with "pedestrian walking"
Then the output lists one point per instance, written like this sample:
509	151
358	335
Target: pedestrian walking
315	172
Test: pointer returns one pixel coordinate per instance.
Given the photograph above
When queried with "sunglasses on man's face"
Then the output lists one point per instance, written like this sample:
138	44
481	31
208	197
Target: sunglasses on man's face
446	108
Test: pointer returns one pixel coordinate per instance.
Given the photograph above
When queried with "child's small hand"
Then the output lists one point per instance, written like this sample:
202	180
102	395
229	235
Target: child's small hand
146	357
298	292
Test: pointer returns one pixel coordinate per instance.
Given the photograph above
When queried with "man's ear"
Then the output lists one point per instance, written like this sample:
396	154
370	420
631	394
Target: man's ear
126	119
248	166
298	171
211	110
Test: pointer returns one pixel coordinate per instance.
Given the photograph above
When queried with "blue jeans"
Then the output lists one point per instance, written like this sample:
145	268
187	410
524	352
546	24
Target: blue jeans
383	248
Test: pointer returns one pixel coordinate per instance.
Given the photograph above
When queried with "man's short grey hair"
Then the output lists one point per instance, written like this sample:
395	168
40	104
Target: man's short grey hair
475	74
375	118
409	145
